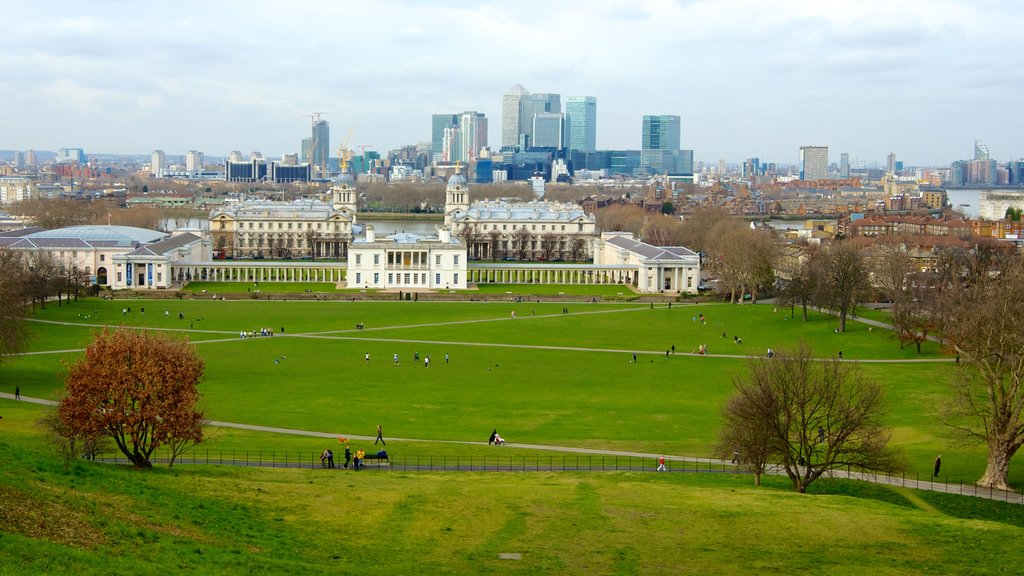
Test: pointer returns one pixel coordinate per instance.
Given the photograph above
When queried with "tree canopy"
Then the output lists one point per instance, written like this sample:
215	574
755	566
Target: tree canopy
137	388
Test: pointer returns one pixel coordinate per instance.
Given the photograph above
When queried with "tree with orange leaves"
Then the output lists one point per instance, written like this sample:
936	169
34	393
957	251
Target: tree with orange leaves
140	390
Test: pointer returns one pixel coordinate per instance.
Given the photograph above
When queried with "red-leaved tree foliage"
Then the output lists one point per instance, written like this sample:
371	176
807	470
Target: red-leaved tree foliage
137	388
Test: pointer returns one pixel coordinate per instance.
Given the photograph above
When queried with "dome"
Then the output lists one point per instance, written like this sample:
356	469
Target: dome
456	180
100	233
344	178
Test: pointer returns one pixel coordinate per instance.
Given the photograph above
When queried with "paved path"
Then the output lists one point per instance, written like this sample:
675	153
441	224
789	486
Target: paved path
960	489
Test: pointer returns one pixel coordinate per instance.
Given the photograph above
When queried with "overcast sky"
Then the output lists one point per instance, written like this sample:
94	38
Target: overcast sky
921	78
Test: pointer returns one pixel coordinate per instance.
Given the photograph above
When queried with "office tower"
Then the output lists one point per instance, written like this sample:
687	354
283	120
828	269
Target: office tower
307	150
438	123
814	162
234	156
533	105
890	163
450	144
255	155
158	163
472	135
194	162
844	165
980	150
548	130
512	115
71	155
30	158
659	148
19	159
581	123
321	146
290	160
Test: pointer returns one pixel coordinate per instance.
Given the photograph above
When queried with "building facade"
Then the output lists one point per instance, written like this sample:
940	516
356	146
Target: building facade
581	123
407	262
655	268
814	163
158	163
660	139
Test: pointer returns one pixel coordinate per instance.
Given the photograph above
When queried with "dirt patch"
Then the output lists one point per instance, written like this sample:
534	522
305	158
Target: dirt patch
40	519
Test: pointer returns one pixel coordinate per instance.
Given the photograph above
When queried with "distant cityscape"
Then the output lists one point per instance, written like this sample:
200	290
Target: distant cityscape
540	140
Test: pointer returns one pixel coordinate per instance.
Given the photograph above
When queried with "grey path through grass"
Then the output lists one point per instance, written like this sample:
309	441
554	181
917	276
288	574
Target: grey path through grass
929	485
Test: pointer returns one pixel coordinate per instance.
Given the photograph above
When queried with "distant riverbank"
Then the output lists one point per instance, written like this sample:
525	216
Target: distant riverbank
400	217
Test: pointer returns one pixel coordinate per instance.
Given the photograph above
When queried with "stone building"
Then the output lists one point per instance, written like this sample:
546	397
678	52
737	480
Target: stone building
407	261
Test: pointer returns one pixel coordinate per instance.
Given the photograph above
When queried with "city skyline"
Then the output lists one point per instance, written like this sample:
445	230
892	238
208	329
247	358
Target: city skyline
920	78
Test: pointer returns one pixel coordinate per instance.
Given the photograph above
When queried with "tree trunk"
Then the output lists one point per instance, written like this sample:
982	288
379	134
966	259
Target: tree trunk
997	467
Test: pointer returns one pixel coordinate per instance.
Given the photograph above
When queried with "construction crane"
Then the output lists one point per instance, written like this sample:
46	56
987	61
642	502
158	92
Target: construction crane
344	152
362	152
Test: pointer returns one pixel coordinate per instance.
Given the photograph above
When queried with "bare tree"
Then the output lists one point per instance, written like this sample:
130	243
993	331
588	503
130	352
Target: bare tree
313	238
521	239
843	280
549	245
471	234
43	277
494	238
988	392
890	267
577	248
13	289
800	287
745	436
813	415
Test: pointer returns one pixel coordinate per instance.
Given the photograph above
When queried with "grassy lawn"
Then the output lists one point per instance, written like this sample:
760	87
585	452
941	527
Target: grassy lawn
556	289
543	377
101	519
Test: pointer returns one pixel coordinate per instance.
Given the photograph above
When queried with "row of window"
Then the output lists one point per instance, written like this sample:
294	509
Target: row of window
406	259
543	227
281	225
410	279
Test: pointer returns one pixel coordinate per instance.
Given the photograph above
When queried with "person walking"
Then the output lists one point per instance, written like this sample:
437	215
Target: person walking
380	437
661	463
17	392
330	458
938	465
367	357
348	457
445	357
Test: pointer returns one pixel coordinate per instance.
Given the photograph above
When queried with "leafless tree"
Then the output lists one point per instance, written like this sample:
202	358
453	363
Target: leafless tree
13	296
549	245
494	238
577	248
801	286
313	237
745	436
984	324
471	234
811	415
843	280
521	239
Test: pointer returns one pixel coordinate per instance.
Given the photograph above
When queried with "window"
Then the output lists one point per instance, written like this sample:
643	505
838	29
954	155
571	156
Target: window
376	278
359	277
289	225
563	227
504	226
221	227
456	278
456	259
437	279
159	276
103	257
118	277
406	277
391	278
261	226
533	227
359	259
437	259
376	259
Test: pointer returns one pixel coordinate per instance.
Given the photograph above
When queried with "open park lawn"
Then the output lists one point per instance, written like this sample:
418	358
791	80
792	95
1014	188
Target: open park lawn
551	375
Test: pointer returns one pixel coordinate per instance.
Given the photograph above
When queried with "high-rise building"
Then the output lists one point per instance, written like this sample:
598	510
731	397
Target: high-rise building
581	123
71	155
814	162
194	162
158	163
844	165
512	115
980	150
320	147
472	135
659	148
234	156
438	123
30	158
533	105
450	144
548	130
19	159
890	163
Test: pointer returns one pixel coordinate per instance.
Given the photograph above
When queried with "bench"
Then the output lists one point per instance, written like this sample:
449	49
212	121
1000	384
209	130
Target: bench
380	457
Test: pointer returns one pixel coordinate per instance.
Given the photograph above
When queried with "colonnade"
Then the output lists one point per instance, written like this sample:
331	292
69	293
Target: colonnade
265	272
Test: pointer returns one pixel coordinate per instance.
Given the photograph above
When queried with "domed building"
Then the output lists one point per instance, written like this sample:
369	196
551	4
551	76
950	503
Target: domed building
115	257
512	230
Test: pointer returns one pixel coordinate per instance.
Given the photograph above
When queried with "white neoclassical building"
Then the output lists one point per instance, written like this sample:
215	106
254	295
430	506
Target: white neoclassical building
407	261
116	257
655	268
506	230
301	228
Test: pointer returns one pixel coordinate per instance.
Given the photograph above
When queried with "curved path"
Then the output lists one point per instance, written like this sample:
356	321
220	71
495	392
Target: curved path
960	489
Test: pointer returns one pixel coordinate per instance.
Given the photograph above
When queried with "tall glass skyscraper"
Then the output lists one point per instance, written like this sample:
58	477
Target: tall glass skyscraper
438	123
548	130
659	148
581	123
512	115
321	147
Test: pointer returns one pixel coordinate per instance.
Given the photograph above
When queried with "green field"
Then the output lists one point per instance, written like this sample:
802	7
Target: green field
543	377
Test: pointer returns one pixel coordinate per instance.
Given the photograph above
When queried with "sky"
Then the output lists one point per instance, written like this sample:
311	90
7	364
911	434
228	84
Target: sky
920	78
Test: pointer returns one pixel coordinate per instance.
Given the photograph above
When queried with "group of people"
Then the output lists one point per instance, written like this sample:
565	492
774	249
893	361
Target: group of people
254	333
357	460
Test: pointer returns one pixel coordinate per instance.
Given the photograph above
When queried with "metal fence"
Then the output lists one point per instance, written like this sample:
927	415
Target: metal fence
959	485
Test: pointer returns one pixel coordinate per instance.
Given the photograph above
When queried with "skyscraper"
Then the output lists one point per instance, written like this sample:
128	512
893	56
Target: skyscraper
980	150
814	162
659	148
194	162
890	163
533	105
321	147
844	165
157	163
512	115
581	123
472	135
548	130
438	123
